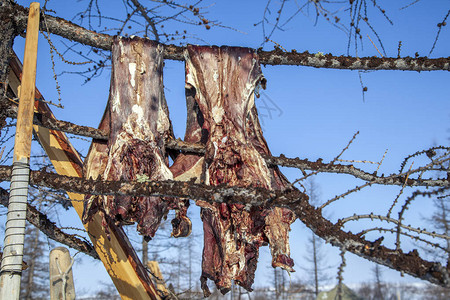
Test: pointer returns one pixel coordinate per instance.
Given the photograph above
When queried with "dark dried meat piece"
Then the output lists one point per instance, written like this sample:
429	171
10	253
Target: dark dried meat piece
220	85
137	119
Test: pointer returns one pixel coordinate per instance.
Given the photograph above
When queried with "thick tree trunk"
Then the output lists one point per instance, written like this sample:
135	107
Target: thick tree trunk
137	119
7	35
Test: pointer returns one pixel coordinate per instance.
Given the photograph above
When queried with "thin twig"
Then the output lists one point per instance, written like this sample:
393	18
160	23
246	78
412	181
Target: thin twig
375	46
401	191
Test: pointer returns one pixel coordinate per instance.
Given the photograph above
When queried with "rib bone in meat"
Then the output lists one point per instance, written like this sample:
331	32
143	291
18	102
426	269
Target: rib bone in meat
220	88
137	119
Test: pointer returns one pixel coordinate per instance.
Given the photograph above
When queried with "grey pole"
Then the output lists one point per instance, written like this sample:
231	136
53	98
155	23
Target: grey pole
11	267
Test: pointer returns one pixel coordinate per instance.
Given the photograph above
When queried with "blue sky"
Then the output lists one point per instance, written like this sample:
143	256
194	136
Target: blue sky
315	111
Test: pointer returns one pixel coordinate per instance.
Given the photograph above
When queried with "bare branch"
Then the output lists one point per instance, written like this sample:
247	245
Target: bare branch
185	146
52	123
79	34
356	189
411	236
144	14
400	179
168	188
400	193
319	165
439	25
394	221
49	228
410	263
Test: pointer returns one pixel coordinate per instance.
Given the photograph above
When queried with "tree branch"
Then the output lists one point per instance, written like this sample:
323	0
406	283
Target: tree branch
10	110
144	14
49	228
320	166
410	263
302	164
168	188
79	34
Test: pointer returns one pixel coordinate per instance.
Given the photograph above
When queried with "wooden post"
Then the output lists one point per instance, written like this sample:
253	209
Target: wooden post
61	277
158	279
11	267
116	253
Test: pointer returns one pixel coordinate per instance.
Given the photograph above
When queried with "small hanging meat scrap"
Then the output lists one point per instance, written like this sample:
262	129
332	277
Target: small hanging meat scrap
137	119
220	88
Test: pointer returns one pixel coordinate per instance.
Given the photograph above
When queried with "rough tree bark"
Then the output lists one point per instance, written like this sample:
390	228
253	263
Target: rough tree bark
7	34
49	228
407	262
197	148
137	119
79	34
220	85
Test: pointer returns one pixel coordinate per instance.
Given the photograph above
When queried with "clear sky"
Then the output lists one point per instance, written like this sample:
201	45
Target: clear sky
306	112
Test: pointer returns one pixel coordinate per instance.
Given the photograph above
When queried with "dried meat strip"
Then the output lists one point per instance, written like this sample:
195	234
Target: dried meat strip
137	119
220	87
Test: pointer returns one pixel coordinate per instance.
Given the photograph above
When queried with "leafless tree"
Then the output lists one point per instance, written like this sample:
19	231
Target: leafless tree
315	255
35	280
280	284
435	292
428	180
379	285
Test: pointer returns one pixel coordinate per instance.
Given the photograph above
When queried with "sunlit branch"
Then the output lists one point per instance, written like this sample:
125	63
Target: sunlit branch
79	34
393	221
409	263
303	164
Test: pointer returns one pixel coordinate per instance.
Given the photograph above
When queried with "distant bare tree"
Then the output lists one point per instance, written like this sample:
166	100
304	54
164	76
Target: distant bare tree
380	292
35	280
280	283
106	292
315	254
433	292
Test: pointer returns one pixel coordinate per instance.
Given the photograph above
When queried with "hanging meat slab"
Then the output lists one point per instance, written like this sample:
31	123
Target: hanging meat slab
137	120
220	87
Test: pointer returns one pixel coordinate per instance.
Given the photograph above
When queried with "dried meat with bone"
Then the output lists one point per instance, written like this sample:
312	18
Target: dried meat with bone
220	88
137	120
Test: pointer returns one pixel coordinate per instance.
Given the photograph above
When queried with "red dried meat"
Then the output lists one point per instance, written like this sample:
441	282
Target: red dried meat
137	120
220	88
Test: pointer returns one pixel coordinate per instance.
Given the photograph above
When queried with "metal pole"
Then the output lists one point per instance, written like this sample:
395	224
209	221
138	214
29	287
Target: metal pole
11	267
